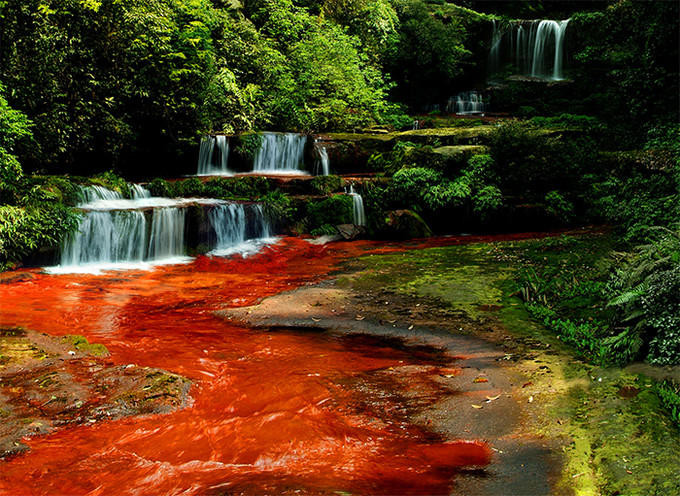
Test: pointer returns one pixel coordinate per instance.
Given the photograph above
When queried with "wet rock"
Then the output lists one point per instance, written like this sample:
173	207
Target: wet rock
44	386
13	277
350	231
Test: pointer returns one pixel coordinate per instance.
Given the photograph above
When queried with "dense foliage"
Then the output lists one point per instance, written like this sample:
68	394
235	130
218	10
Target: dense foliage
32	214
119	84
90	86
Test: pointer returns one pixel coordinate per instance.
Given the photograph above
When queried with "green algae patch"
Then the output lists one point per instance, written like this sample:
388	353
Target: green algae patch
623	442
461	152
156	392
80	343
15	348
463	279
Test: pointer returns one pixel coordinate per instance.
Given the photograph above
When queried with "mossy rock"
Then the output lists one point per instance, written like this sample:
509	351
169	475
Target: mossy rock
461	152
404	224
448	136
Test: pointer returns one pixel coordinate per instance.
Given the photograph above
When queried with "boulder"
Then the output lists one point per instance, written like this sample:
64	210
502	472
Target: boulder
405	224
350	231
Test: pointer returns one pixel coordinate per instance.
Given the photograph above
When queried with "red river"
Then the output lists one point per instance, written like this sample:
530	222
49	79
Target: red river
271	411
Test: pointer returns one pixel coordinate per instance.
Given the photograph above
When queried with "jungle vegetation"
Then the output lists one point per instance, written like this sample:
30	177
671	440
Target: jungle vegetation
91	86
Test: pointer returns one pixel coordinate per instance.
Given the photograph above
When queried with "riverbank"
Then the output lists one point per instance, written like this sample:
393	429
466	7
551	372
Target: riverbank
363	367
50	383
556	424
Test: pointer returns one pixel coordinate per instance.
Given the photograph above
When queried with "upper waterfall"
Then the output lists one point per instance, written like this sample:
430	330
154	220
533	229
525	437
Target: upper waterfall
534	48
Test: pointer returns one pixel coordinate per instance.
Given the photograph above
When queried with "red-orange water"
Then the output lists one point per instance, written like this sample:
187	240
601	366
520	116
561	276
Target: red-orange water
273	412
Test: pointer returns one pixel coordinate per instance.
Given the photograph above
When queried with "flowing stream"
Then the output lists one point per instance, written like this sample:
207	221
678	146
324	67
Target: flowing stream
274	411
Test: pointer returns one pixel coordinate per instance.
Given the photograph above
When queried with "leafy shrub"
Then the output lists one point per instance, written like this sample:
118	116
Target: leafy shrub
487	200
559	207
411	185
637	194
234	188
24	230
111	180
248	144
530	163
159	187
325	185
192	187
585	122
276	206
330	212
669	393
646	295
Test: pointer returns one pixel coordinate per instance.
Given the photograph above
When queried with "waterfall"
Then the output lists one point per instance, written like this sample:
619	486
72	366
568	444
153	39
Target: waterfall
118	233
466	103
280	152
138	192
323	163
494	60
238	228
213	156
534	48
358	213
167	233
106	237
94	193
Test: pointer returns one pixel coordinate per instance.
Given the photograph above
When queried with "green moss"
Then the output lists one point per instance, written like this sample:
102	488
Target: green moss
80	343
325	185
619	439
460	278
623	441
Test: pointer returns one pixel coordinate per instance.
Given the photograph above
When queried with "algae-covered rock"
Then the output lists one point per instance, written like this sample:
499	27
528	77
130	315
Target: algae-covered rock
404	224
448	136
47	383
461	152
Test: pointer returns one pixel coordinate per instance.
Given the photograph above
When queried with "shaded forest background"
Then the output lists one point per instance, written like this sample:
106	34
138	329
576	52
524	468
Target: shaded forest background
131	85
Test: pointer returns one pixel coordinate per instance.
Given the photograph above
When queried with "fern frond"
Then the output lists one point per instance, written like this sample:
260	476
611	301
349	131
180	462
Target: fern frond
628	296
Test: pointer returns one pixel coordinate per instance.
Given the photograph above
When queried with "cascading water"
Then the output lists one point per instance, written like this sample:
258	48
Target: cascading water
323	163
280	153
238	228
213	156
138	192
358	213
106	237
466	103
534	48
167	233
117	233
